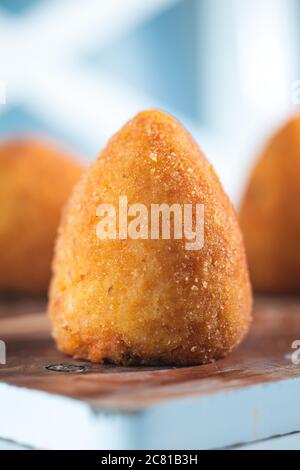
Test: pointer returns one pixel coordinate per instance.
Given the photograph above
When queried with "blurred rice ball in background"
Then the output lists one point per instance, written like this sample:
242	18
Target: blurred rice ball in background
36	180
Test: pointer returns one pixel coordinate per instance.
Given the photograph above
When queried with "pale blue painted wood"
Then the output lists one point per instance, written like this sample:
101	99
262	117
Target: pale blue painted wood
8	445
225	419
289	442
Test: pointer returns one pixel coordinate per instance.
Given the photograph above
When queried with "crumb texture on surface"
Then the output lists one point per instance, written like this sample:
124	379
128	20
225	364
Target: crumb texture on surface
149	301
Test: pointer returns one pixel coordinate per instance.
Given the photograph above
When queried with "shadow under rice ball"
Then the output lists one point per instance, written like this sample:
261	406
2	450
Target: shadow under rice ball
149	301
270	214
36	179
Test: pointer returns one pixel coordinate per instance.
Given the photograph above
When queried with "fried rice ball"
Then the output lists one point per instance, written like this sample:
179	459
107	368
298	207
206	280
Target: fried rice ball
149	301
35	182
270	214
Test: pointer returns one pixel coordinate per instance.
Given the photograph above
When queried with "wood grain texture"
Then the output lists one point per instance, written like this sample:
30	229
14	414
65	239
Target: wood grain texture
264	357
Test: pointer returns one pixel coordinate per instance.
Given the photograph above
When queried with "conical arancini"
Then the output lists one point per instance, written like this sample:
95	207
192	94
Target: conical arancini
270	214
149	301
36	180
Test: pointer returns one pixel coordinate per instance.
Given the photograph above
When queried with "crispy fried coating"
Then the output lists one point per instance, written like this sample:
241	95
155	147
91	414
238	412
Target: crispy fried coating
35	182
149	301
270	214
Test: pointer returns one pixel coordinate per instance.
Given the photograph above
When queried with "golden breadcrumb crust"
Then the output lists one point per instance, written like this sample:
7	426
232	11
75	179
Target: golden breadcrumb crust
35	182
270	214
149	301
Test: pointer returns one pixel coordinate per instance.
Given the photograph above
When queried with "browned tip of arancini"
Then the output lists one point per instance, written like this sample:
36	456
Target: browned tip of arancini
149	301
36	179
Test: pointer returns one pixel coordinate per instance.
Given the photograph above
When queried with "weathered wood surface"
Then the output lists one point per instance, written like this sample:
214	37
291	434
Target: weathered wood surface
264	357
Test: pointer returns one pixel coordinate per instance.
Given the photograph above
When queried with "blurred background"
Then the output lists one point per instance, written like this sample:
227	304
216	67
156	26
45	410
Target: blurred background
76	70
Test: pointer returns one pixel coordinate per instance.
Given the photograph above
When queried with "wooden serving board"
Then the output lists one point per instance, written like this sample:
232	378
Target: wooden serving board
243	395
